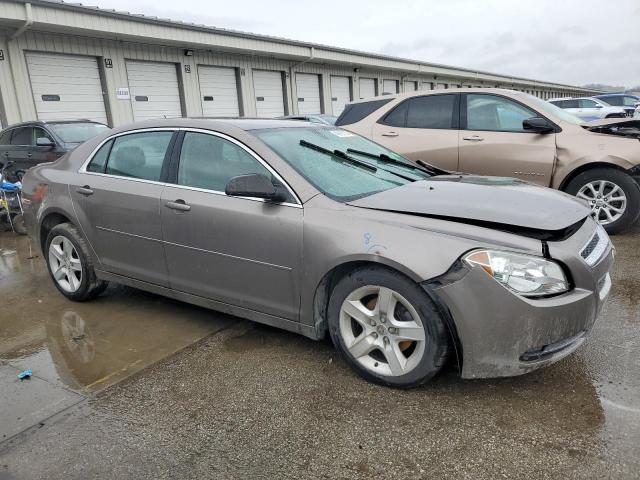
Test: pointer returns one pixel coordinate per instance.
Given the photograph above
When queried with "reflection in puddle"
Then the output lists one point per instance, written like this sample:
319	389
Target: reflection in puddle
87	346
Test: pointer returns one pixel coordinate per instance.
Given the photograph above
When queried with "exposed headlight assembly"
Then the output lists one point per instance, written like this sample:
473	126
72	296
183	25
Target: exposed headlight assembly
525	275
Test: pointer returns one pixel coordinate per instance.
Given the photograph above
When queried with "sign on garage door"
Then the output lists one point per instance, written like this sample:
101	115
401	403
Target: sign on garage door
218	91
269	93
340	94
389	86
66	87
154	90
367	87
308	91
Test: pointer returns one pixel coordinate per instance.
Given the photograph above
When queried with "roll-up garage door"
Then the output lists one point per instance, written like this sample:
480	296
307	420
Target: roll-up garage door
218	91
308	91
340	94
269	93
390	86
409	86
66	87
154	90
367	87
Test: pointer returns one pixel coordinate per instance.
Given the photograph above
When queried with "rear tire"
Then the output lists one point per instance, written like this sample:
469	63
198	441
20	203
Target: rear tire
387	328
598	187
70	265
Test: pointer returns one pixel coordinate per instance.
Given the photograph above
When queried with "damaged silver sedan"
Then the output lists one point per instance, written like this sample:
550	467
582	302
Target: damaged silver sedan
319	231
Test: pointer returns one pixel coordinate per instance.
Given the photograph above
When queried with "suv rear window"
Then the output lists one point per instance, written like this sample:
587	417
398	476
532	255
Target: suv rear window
357	111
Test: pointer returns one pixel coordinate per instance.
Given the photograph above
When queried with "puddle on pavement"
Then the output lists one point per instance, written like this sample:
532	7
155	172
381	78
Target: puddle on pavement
87	346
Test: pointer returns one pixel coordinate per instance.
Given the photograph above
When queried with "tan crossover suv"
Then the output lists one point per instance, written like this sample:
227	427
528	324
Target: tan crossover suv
512	134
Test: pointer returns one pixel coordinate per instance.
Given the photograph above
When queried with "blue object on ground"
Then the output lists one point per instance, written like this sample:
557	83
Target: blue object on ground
25	374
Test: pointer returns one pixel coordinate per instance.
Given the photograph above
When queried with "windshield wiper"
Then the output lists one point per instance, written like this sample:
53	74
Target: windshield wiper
340	155
383	157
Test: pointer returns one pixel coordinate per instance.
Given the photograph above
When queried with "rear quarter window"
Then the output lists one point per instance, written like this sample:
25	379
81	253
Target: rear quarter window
357	111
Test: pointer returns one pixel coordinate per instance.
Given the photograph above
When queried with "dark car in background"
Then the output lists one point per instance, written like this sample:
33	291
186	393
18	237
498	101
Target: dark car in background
625	100
30	143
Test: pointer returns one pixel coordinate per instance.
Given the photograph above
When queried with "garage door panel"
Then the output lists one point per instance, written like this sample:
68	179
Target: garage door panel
367	87
156	86
308	93
218	91
340	94
269	94
73	80
389	86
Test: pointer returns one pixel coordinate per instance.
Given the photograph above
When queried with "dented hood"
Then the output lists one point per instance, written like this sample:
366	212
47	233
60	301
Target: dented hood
493	201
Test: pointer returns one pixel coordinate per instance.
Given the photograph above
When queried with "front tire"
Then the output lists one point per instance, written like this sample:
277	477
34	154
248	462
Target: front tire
614	197
387	328
70	265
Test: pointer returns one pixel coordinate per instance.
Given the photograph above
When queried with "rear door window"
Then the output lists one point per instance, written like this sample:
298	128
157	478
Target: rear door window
397	117
432	111
615	101
138	155
5	138
357	111
22	136
586	103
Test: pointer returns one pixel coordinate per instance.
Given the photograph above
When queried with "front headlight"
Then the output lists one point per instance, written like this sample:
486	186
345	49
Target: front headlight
525	275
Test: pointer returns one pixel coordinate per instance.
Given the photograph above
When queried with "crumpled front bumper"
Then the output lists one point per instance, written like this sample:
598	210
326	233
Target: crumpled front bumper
503	334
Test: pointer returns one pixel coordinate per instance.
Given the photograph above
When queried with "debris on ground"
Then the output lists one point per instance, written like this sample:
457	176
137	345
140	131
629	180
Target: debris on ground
25	374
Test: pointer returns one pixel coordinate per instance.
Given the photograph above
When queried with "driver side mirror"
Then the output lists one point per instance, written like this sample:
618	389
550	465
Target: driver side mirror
257	186
599	106
538	125
44	142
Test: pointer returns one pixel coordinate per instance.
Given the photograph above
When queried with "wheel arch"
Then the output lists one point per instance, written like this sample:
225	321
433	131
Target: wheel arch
325	286
585	167
50	219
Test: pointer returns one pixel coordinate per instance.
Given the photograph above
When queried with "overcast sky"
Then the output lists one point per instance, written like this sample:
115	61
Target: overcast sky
567	41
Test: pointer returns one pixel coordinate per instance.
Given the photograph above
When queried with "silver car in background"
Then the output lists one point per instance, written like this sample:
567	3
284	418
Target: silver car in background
589	109
319	231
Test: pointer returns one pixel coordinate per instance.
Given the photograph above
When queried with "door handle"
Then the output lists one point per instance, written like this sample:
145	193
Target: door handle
179	205
390	134
473	138
29	154
86	190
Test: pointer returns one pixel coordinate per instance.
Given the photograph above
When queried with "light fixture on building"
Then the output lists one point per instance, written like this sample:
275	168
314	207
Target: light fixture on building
188	53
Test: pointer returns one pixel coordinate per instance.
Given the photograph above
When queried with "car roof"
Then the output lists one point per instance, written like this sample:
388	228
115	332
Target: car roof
442	91
616	95
42	123
212	122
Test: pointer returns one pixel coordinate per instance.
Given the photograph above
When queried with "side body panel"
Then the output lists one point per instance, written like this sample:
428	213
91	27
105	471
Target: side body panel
121	220
234	250
527	156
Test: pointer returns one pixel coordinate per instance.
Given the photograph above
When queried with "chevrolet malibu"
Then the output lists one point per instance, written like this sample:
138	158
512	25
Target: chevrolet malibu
319	231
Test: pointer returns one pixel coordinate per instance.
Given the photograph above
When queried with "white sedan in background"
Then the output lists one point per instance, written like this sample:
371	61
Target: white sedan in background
589	109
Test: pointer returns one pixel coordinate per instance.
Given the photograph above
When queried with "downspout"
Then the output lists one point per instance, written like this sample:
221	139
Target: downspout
294	100
27	23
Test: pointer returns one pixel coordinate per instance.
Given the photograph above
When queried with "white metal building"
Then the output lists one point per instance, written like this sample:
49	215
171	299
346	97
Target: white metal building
69	61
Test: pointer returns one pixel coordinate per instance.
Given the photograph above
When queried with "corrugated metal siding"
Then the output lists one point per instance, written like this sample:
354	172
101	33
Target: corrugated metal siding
18	101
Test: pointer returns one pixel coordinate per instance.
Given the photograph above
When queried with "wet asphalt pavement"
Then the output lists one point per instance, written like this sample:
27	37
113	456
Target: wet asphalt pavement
134	385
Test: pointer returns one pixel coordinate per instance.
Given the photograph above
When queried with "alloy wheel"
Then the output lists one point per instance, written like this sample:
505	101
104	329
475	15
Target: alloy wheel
607	200
65	264
382	330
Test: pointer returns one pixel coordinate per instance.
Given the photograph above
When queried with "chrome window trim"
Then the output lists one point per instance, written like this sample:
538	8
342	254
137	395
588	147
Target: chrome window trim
83	168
